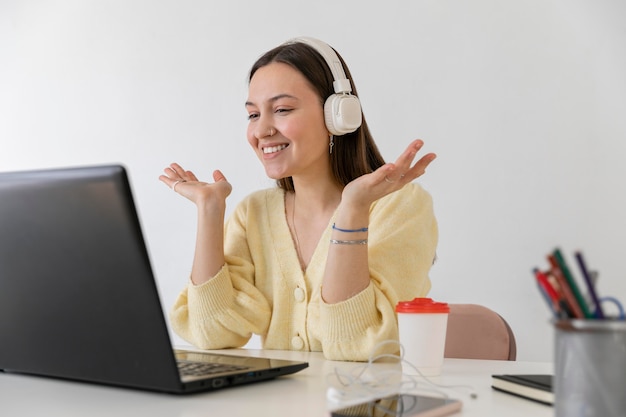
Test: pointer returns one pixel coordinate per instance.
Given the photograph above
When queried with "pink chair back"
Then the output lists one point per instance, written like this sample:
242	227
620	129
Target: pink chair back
476	332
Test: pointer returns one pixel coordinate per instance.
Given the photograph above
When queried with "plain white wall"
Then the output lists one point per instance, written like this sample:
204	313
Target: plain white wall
524	103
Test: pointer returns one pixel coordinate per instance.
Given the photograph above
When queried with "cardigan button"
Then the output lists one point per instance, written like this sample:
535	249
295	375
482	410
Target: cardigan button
297	343
298	294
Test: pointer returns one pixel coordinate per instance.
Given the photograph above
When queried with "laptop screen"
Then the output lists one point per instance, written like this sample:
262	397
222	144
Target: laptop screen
77	294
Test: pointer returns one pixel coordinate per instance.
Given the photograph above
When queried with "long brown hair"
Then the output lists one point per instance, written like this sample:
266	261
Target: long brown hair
354	154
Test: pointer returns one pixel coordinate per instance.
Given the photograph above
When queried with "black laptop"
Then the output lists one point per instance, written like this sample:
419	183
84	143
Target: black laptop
78	299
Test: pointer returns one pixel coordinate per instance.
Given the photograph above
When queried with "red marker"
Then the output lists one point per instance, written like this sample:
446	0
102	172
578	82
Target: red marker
552	296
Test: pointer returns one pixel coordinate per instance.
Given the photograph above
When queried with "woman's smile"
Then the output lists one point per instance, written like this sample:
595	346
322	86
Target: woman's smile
273	149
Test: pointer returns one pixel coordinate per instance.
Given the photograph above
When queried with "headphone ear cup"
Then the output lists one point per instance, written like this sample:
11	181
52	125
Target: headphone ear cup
342	113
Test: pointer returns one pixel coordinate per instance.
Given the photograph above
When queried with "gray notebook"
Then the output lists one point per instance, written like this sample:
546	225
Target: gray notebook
78	299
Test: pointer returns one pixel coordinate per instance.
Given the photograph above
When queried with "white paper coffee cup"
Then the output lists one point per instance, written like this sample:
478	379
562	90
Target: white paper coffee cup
422	325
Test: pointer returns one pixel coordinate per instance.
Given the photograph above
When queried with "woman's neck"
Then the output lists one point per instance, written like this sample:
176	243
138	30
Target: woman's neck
317	197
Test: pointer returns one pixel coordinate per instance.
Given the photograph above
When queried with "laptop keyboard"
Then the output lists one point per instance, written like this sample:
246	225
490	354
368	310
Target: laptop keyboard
200	368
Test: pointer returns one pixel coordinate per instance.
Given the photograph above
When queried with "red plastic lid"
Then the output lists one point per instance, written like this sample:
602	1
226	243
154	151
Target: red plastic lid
422	305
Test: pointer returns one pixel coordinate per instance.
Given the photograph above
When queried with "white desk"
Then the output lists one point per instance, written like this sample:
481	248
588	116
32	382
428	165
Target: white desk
300	394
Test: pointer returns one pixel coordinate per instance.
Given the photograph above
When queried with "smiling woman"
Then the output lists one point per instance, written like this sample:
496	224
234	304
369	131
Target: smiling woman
319	262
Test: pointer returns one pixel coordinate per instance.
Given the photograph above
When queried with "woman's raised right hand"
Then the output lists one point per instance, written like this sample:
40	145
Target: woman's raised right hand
187	184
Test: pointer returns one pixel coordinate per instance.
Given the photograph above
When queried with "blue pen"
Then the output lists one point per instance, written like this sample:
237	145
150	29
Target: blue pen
590	285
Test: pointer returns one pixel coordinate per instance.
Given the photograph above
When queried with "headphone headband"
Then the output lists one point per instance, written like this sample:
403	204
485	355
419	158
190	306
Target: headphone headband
341	83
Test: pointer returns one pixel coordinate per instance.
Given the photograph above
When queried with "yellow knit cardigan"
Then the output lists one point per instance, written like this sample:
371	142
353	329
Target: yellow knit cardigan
262	290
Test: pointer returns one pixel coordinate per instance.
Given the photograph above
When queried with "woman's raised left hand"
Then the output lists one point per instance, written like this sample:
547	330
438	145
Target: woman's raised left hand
366	189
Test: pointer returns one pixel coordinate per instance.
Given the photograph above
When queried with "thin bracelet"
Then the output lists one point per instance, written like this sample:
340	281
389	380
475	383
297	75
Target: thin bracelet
363	229
349	242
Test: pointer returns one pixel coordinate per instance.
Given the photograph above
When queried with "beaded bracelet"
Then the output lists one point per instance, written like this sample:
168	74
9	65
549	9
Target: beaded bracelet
349	242
363	229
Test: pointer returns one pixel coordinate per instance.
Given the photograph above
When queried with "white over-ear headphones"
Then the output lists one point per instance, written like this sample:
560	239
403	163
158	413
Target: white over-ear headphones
342	110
